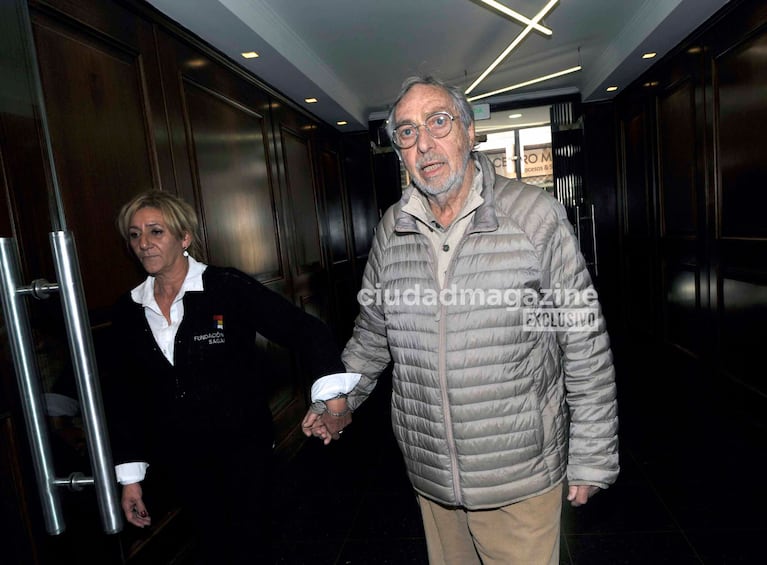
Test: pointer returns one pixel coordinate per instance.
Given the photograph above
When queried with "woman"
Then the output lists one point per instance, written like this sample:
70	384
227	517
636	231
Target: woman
188	388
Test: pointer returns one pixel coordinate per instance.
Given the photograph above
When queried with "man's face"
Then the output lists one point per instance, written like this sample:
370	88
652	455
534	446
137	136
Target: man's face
436	166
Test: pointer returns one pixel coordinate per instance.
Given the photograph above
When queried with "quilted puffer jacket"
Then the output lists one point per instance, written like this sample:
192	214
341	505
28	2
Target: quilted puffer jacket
486	411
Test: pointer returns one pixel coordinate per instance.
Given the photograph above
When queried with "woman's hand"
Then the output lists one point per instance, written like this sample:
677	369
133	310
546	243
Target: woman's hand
133	506
327	426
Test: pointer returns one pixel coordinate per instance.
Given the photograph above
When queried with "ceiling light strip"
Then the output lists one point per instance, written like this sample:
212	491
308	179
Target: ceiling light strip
526	83
524	33
517	16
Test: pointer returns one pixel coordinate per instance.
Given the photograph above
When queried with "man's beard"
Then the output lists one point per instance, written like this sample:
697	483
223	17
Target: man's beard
451	183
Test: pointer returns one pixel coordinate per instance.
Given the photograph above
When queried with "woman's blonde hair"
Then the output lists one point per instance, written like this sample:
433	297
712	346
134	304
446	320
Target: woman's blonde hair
179	216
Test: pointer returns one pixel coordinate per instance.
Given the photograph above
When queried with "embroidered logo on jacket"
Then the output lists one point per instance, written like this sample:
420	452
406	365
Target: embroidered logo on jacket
212	338
218	320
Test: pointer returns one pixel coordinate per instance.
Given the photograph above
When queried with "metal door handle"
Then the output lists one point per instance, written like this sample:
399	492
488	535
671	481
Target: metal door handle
86	375
83	360
22	352
593	221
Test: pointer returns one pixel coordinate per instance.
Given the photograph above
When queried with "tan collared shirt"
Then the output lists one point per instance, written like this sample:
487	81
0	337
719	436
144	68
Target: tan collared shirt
444	239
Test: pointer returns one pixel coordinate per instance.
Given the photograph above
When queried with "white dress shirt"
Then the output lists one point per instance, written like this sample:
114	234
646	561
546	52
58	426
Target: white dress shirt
164	333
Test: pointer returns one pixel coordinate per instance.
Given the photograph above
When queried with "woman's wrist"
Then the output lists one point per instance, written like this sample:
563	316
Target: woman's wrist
337	407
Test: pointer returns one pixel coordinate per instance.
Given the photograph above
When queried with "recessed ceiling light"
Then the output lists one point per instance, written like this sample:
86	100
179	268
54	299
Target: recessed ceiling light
250	54
651	83
649	55
310	100
611	88
515	116
342	123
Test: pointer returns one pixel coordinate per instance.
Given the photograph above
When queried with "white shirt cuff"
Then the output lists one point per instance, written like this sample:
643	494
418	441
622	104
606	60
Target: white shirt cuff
129	473
331	386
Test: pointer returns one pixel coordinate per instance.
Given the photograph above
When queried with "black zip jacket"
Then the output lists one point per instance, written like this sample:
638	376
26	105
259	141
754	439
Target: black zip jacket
218	386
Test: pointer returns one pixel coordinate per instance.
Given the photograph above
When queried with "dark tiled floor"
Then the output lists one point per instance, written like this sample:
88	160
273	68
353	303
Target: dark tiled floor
691	490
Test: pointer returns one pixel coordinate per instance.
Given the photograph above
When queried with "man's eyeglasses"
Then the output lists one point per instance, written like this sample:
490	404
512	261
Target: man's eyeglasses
437	124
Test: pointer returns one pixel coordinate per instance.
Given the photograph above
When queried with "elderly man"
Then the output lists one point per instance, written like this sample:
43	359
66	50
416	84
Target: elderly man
503	382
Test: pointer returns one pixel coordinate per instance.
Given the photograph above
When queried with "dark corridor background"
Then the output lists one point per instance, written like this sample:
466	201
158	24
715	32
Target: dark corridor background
690	489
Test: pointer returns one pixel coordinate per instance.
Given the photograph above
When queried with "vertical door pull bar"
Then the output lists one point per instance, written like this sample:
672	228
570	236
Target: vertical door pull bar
86	375
83	360
22	351
578	226
594	239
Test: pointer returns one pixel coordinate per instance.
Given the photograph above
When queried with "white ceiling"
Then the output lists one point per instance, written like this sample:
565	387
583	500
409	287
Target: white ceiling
352	55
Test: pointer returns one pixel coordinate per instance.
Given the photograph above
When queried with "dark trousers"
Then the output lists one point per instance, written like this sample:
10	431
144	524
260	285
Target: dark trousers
223	485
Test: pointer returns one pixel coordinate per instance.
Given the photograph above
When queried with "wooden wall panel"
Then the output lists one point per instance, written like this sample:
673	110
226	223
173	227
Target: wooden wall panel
740	87
363	205
295	141
639	265
640	290
95	95
6	223
740	230
708	97
236	194
364	216
342	263
25	176
639	202
681	285
677	150
330	173
743	311
299	181
304	212
388	180
679	197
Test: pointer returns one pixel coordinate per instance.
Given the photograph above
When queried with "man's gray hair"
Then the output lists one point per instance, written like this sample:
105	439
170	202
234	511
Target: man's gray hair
462	105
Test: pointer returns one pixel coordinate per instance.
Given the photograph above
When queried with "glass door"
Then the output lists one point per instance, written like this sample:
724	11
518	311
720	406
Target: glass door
57	455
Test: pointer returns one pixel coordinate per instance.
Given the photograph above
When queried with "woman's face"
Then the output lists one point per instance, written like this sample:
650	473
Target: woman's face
159	251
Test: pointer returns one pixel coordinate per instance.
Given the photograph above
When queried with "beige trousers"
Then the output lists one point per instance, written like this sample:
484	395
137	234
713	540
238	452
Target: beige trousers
524	533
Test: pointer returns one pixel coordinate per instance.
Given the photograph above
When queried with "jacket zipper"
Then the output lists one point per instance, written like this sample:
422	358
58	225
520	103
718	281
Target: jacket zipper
446	407
443	376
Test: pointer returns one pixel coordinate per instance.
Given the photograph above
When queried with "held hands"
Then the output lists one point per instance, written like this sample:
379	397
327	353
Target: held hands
578	495
330	424
133	506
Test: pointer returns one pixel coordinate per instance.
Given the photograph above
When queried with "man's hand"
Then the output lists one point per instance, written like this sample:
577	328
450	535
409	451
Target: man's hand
328	425
133	506
578	495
